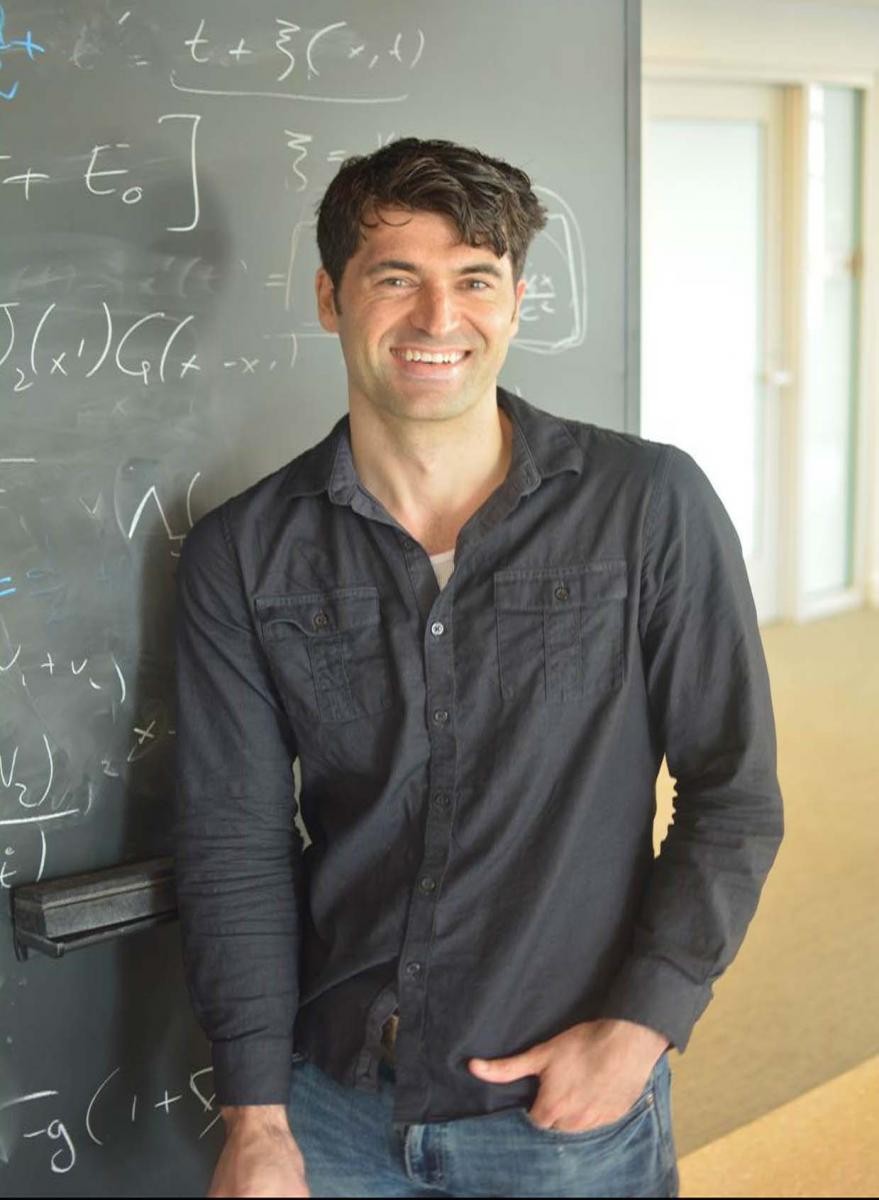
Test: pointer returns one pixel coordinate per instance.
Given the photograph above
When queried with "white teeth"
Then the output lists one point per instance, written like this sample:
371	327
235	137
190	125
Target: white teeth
423	356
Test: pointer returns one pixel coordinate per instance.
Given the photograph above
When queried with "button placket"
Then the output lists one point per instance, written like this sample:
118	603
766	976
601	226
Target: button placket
415	958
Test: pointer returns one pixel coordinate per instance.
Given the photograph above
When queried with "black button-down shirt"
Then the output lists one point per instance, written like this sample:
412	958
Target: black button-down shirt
478	765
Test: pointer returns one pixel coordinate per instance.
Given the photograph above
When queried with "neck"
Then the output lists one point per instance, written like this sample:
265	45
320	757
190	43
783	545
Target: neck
431	475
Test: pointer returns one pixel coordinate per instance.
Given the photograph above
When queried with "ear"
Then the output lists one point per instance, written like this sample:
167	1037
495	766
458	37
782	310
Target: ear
521	288
326	309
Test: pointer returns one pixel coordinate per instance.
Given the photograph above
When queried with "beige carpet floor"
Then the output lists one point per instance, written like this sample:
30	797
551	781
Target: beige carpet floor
824	1143
800	1004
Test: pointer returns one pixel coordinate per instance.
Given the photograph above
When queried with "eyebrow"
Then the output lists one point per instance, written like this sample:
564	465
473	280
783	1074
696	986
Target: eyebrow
396	264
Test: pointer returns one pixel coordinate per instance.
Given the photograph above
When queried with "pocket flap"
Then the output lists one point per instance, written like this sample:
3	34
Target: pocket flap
524	589
320	613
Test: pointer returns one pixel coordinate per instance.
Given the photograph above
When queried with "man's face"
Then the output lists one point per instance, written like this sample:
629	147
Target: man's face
413	289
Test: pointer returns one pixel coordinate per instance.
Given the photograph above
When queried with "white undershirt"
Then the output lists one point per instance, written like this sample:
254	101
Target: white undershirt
443	565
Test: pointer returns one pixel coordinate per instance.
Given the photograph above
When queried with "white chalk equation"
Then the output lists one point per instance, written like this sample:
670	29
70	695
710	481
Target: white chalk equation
349	68
554	310
110	173
65	669
142	349
111	1112
115	172
32	812
118	699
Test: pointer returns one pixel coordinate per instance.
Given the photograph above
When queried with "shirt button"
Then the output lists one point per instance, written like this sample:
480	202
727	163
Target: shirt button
437	628
426	883
561	592
413	969
440	801
440	716
320	619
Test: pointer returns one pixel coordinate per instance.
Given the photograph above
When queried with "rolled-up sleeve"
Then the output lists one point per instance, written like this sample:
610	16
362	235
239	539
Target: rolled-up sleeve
237	848
711	712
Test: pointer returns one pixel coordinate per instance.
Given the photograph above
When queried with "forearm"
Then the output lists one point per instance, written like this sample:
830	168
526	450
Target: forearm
700	897
240	934
237	849
261	1118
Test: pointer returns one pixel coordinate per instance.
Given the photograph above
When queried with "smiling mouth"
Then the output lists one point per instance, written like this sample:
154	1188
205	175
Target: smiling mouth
438	358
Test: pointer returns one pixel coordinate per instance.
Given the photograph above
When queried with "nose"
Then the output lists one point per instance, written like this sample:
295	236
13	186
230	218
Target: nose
435	311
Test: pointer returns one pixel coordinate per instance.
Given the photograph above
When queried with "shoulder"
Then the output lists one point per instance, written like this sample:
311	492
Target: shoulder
612	452
665	482
666	469
252	517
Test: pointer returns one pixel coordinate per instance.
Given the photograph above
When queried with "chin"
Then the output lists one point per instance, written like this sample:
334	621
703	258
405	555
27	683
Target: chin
423	402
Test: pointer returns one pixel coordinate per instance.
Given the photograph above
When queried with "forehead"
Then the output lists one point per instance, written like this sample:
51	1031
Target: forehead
416	236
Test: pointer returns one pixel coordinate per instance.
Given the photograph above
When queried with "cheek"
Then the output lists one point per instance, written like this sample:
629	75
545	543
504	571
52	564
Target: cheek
498	329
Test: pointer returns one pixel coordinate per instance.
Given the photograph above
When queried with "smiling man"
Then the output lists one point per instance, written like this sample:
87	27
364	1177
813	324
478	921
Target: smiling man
480	627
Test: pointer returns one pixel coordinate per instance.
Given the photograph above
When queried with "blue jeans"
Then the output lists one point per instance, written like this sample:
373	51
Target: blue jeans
353	1148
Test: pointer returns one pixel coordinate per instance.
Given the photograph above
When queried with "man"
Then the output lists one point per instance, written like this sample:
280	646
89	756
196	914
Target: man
484	963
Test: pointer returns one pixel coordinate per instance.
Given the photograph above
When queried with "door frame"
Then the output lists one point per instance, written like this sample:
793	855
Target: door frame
793	604
762	103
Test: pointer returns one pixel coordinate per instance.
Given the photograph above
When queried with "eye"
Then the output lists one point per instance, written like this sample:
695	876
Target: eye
478	285
394	279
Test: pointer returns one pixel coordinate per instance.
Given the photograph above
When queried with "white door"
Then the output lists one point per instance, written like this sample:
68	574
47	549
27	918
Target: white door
712	360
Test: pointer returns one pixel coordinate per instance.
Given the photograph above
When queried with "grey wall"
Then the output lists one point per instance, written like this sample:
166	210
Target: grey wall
159	351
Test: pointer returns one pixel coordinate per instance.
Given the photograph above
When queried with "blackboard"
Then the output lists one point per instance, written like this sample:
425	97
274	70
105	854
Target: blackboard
160	162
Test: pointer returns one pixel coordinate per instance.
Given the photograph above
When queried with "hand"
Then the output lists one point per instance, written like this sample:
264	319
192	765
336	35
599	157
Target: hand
260	1156
590	1075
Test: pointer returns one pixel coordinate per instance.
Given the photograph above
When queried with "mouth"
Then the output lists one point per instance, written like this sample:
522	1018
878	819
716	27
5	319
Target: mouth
429	364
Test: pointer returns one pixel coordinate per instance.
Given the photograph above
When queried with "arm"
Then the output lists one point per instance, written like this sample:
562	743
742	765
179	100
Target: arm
259	1157
711	712
237	850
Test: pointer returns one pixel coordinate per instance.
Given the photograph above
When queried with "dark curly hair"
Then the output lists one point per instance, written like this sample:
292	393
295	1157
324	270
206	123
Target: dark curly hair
490	202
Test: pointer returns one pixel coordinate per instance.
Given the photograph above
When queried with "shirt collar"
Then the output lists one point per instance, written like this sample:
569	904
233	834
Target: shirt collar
542	447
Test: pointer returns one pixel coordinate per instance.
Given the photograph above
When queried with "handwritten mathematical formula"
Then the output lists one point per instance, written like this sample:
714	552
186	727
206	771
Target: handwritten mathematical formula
302	50
112	1104
111	172
15	46
271	62
140	349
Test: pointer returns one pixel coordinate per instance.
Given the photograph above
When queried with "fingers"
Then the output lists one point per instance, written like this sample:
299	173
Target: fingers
506	1070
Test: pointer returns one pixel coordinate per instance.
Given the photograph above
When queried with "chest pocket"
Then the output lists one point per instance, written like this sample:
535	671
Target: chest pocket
328	652
560	630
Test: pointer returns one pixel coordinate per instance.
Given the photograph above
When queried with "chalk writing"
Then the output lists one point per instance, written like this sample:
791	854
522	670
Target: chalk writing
131	195
159	365
27	44
554	309
301	55
99	1124
195	118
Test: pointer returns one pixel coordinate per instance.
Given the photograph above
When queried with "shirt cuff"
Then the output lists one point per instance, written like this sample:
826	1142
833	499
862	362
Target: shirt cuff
653	992
253	1071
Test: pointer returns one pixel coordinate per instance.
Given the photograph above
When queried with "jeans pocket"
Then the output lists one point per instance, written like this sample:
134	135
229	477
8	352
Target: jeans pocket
645	1106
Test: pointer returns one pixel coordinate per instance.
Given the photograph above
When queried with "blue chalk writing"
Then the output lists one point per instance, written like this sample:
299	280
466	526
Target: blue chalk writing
6	591
26	43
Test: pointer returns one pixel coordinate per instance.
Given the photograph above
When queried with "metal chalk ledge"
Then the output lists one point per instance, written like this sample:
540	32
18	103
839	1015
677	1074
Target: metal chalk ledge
80	910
